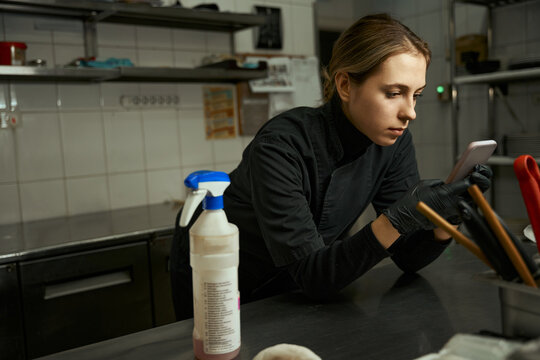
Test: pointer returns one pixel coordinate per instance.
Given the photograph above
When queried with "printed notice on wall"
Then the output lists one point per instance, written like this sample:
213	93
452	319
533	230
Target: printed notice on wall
279	75
219	112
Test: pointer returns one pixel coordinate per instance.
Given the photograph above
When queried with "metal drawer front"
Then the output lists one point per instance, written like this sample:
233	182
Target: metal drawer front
160	249
81	298
11	327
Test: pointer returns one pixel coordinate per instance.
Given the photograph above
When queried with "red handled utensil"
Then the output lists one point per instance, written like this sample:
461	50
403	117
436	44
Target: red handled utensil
528	176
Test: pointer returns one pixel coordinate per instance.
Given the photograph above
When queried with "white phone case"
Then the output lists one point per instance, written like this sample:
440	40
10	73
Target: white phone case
478	152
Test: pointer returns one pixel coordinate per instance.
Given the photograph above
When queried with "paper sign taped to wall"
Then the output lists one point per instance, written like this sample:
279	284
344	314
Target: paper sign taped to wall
279	75
219	112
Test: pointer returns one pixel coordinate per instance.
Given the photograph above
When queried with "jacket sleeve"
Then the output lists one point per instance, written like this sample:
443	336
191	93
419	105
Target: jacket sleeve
415	251
410	252
279	198
326	271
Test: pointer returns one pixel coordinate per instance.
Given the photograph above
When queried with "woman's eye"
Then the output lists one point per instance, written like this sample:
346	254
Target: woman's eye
392	94
416	96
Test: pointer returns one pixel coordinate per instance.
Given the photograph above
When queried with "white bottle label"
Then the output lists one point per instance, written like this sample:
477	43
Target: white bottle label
221	324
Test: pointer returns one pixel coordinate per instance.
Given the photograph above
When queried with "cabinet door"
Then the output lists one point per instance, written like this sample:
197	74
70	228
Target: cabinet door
11	328
160	249
77	299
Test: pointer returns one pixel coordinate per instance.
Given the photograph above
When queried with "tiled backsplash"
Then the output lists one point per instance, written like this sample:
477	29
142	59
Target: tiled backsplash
79	150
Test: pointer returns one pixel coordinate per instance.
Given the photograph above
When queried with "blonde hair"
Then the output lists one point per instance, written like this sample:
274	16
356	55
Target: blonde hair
361	48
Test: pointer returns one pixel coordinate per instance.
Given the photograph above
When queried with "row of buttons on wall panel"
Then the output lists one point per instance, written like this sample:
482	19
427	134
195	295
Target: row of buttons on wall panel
149	101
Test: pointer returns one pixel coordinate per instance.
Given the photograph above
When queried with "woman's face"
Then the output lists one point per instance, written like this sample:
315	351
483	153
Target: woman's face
383	104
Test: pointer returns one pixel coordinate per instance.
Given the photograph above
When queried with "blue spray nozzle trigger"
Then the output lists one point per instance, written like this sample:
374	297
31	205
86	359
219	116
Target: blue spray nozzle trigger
193	180
206	186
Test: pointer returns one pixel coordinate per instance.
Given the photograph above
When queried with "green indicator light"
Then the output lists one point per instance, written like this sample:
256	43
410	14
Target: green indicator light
440	89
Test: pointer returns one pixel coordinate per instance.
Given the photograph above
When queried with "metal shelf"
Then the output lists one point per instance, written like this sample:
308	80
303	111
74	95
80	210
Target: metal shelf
505	160
141	14
93	12
494	3
499	77
188	75
74	74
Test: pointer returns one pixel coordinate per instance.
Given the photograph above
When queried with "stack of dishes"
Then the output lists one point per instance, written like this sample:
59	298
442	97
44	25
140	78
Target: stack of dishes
522	143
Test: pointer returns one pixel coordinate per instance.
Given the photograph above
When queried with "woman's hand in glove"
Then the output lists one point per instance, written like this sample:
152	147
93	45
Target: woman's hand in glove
443	198
481	176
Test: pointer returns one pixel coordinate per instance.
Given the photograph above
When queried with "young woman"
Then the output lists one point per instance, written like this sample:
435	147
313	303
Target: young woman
310	172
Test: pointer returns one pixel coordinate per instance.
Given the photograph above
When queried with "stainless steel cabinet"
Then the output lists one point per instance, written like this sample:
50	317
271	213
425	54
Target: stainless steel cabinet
160	248
81	298
11	327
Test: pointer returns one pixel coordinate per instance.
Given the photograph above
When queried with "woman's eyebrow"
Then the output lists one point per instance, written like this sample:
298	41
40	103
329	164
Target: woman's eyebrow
402	87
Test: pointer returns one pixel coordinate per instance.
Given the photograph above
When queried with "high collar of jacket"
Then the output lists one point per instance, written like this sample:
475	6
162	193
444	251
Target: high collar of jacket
353	142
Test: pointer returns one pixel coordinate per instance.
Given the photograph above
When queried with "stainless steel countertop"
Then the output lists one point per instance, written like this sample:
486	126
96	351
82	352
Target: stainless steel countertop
55	236
382	315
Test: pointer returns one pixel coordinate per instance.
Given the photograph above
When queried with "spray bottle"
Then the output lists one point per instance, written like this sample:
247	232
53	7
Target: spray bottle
213	243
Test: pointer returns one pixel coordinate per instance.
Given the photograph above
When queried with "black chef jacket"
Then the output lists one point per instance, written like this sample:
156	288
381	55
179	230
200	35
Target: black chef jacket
302	182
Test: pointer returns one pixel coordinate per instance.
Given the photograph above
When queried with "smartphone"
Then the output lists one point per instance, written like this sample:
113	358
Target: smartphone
478	152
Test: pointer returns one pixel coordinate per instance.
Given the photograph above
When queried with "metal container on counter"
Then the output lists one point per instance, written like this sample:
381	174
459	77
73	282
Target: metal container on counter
520	306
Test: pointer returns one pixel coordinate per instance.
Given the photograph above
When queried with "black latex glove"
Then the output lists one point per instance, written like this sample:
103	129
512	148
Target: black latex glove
441	197
481	176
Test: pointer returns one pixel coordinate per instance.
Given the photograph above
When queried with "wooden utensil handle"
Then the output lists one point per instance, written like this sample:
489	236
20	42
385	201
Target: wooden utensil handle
501	234
449	228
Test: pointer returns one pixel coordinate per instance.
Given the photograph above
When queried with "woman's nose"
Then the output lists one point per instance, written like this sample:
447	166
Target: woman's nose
407	112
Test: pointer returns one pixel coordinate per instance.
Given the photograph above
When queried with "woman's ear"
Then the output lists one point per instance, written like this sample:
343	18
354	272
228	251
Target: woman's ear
343	85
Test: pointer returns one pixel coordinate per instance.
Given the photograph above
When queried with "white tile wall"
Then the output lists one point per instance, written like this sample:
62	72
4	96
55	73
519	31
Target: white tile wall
228	150
165	185
87	194
127	190
35	96
9	203
69	31
38	147
161	139
511	25
124	141
78	96
194	148
23	28
218	43
83	143
533	21
43	199
153	37
190	96
7	157
65	54
303	43
155	57
429	129
116	35
189	39
431	28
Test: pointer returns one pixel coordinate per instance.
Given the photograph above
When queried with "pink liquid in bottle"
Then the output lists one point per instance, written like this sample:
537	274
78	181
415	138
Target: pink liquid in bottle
198	349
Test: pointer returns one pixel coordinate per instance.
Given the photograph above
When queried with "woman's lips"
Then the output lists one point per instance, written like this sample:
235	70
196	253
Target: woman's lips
396	131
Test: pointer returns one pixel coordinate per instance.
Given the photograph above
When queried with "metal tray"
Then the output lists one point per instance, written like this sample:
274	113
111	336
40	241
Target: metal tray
520	306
